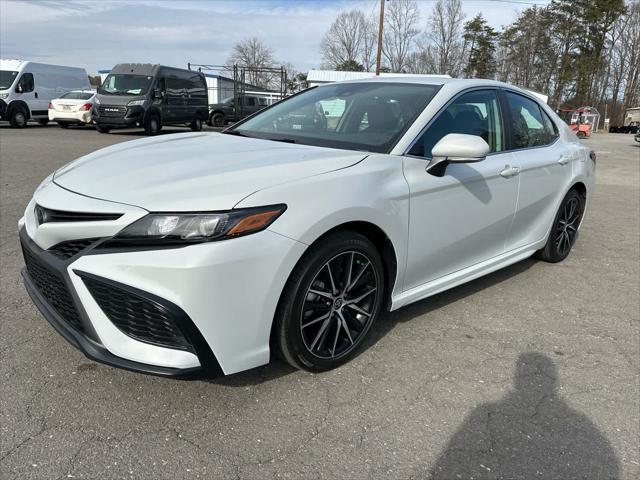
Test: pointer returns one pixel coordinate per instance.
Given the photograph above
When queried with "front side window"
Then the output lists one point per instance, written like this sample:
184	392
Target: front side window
363	116
473	113
25	84
530	127
125	84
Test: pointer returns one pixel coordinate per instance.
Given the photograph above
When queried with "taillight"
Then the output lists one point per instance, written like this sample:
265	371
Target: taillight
85	107
50	106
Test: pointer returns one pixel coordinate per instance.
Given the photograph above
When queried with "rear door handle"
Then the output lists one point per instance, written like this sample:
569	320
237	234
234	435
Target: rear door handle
564	159
509	171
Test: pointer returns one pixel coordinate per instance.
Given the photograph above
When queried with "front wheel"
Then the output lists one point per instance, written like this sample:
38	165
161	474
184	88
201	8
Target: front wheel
18	118
152	125
565	229
217	119
330	302
100	128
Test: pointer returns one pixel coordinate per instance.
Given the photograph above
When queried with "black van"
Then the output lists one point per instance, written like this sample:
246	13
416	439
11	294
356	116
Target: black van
150	96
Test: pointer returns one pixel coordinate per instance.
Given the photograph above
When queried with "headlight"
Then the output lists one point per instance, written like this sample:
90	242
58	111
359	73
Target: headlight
181	228
4	95
136	103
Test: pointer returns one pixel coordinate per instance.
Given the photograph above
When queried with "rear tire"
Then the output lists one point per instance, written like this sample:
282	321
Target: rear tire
63	124
196	125
18	118
582	135
44	121
152	125
564	231
325	313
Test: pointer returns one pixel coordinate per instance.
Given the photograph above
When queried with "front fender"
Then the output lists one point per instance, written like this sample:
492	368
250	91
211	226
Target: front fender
373	191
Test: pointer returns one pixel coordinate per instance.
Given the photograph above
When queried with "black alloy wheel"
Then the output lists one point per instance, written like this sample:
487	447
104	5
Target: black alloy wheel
330	302
564	232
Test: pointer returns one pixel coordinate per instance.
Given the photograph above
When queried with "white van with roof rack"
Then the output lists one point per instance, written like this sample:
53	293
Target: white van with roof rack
26	88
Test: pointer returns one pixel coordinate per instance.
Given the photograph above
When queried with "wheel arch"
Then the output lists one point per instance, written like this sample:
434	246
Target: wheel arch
17	104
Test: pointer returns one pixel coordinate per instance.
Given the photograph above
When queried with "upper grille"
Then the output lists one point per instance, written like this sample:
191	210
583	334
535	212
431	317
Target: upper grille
45	215
68	249
112	111
53	287
136	316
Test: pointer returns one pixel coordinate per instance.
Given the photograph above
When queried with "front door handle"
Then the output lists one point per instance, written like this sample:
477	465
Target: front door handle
36	94
509	171
564	159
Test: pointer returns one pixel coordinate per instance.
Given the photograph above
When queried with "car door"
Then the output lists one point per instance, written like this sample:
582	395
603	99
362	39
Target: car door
545	168
175	99
25	88
463	217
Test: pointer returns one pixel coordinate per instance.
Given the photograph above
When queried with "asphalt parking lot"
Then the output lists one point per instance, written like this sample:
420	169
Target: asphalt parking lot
531	372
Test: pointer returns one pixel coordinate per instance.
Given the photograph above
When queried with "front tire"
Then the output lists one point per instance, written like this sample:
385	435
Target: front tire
18	118
564	232
152	125
331	300
217	119
101	129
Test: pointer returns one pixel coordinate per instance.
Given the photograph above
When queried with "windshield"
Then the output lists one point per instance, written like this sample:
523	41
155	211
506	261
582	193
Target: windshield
6	78
125	84
354	116
77	95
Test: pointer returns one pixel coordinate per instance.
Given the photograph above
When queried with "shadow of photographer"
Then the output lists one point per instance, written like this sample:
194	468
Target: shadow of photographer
530	433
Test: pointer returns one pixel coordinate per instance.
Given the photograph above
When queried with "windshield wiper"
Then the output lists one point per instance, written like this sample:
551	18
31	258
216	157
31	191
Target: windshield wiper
285	140
236	133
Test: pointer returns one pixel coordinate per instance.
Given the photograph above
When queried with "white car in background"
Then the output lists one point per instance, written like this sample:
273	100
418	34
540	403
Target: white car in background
72	108
292	230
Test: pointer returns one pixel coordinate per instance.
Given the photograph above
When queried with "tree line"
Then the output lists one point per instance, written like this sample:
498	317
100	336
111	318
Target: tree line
578	52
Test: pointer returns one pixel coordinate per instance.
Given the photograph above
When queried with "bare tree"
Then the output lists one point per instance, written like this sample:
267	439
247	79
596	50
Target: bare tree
369	44
344	40
445	33
254	54
400	29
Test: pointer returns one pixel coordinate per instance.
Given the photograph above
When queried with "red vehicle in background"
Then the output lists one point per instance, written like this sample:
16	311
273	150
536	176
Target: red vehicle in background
577	121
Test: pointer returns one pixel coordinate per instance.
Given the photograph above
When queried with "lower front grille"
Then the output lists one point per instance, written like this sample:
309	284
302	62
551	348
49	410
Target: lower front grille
136	316
66	250
53	287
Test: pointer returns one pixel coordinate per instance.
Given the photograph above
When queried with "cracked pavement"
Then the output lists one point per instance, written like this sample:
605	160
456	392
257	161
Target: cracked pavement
531	372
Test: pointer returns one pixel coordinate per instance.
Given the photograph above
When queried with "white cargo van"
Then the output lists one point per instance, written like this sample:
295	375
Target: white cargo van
26	88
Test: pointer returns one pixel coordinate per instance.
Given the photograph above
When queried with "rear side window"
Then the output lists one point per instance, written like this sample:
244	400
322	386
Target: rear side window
530	126
473	113
26	83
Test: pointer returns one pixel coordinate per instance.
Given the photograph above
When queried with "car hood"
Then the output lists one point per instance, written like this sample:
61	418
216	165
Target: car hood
195	171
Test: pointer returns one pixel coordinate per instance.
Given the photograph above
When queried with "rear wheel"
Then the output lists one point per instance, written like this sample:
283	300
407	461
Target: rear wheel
582	135
63	124
18	118
43	121
330	302
152	125
196	125
565	229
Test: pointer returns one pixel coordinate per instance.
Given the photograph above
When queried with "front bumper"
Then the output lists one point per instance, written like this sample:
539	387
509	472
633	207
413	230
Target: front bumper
225	293
129	117
3	109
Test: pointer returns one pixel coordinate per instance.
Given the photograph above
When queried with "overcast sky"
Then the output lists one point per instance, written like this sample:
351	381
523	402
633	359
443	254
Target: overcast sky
98	34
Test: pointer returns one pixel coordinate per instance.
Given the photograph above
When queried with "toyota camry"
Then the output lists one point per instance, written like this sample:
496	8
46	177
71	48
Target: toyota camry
290	232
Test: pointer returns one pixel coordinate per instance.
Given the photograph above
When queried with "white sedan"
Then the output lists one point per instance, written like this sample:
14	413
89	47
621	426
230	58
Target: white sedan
72	108
292	231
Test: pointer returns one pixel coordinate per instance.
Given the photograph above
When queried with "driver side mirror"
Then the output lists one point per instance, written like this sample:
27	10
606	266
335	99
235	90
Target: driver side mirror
19	88
158	93
456	148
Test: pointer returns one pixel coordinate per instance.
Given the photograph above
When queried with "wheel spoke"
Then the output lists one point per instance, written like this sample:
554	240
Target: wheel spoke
345	326
322	330
355	307
355	280
321	293
361	297
335	340
348	281
319	319
334	290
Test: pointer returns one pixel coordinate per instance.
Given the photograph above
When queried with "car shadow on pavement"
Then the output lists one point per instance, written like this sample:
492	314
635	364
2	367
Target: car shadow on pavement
530	433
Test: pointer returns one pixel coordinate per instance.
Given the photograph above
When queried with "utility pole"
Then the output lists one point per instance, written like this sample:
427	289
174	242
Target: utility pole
379	53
